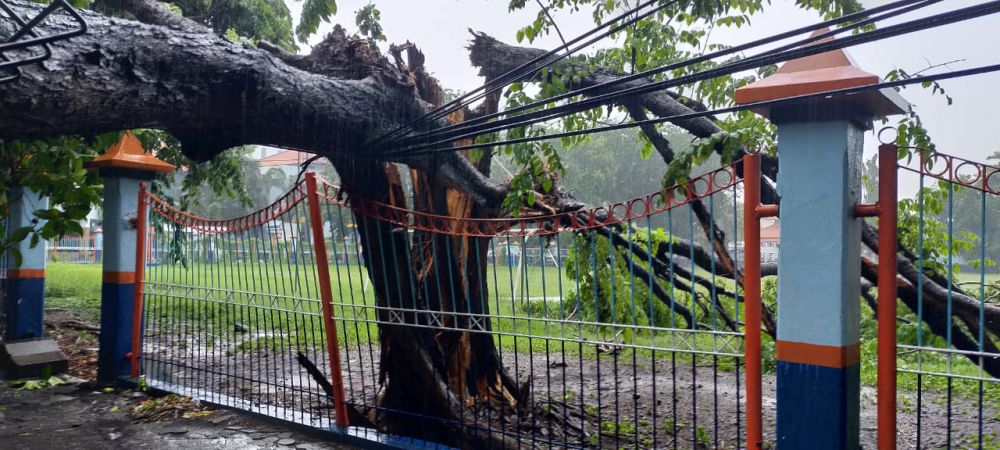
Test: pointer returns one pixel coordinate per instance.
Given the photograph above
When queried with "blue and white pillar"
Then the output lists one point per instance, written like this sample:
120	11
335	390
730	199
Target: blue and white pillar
123	167
24	299
121	194
820	144
819	284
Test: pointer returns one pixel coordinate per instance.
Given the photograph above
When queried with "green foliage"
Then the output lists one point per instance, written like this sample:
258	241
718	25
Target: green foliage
45	381
609	293
741	130
255	20
232	36
701	437
677	33
41	383
919	228
670	427
368	21
314	11
832	8
613	428
53	168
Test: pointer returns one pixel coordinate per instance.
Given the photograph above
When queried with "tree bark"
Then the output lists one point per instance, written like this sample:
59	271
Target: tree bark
210	93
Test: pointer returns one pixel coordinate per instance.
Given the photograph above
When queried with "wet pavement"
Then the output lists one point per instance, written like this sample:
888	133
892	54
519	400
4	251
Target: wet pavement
79	416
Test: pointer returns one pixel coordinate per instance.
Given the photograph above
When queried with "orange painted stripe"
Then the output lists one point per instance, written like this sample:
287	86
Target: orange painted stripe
25	273
119	277
819	355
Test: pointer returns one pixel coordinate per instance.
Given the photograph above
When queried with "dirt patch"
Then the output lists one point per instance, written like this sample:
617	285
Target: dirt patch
77	339
609	402
81	415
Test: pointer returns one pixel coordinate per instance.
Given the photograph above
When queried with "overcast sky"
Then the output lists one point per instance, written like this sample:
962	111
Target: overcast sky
439	28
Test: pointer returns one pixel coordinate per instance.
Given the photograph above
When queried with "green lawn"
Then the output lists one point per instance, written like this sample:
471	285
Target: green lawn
521	300
967	276
76	287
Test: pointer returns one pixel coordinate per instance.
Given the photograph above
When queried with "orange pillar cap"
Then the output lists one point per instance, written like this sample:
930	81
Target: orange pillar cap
822	72
128	153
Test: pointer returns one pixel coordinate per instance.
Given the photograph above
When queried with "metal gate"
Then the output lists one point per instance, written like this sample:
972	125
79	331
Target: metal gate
232	311
619	326
943	348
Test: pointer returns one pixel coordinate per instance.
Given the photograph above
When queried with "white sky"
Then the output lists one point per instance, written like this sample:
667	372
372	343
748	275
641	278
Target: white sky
439	28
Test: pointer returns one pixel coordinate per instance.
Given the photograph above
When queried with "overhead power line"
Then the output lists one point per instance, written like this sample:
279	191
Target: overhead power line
547	59
532	113
444	138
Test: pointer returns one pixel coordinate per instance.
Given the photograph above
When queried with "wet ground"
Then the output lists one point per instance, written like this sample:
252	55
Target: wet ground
611	401
80	415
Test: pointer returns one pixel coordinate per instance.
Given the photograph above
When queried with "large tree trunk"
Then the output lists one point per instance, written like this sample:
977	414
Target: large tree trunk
429	366
446	342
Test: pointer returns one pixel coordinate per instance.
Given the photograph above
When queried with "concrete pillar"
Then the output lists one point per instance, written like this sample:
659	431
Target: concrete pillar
820	144
24	296
123	166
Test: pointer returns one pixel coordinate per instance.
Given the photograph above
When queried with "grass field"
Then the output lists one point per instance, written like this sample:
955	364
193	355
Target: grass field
521	302
76	287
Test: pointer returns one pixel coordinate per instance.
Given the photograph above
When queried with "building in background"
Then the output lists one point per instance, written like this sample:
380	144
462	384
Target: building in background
770	242
770	238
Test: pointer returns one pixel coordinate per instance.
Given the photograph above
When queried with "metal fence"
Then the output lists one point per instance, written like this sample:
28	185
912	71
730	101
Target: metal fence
585	329
232	311
948	360
75	250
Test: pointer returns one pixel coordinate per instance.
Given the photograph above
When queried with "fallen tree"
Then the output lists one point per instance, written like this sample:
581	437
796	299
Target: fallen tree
175	75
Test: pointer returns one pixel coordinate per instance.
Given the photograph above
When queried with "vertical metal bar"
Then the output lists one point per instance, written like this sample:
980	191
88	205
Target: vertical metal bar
326	296
736	308
982	296
948	313
920	298
140	265
751	287
887	191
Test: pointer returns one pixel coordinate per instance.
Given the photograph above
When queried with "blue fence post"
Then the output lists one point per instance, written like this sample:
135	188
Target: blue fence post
820	143
24	299
123	166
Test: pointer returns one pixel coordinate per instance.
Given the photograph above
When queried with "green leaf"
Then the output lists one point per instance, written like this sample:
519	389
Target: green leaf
20	234
314	11
368	21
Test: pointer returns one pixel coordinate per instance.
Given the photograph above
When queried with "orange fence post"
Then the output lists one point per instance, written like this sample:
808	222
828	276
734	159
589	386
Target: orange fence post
140	270
887	191
751	289
326	297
